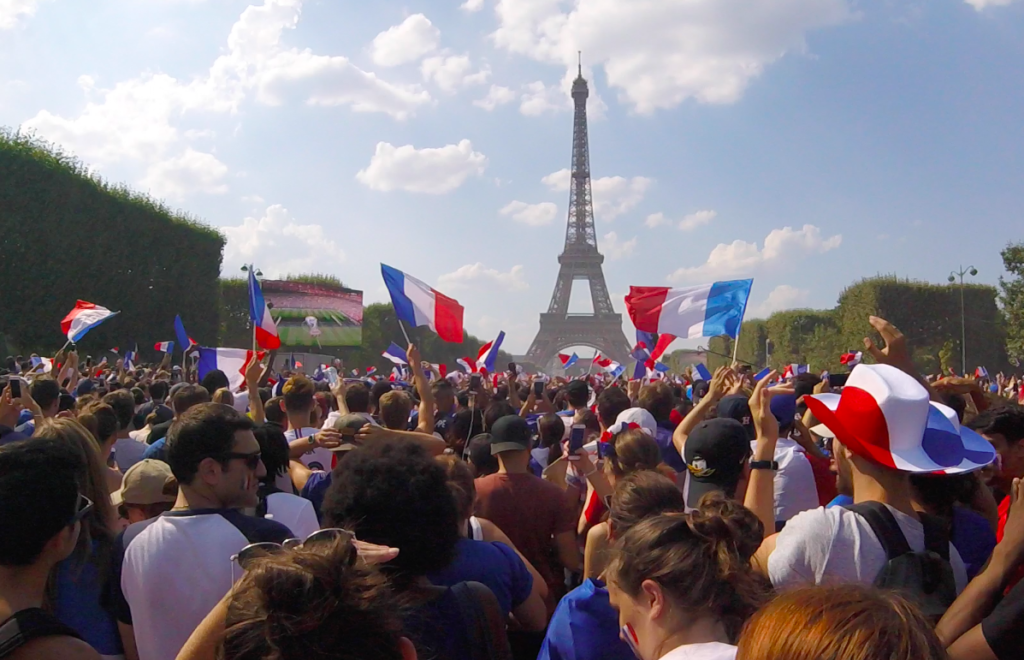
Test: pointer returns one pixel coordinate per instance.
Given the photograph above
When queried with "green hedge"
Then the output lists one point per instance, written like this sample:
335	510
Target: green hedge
928	314
66	234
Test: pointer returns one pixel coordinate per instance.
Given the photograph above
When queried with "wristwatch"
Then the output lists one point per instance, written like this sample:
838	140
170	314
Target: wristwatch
765	465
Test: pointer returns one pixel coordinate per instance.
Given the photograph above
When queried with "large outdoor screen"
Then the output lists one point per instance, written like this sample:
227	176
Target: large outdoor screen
315	314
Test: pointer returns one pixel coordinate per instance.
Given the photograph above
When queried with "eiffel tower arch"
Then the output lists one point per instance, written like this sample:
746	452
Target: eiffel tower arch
580	260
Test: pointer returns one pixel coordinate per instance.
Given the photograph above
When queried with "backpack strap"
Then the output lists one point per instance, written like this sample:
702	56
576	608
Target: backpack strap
885	527
24	626
936	539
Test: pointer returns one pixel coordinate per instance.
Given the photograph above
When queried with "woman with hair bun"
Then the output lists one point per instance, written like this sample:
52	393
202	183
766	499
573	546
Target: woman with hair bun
840	622
683	584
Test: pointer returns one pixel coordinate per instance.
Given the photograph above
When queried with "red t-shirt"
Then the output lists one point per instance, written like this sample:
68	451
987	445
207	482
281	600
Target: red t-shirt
1004	513
824	479
531	512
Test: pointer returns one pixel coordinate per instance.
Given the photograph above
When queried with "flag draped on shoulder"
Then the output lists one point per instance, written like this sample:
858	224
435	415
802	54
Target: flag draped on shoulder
266	330
417	304
83	318
706	310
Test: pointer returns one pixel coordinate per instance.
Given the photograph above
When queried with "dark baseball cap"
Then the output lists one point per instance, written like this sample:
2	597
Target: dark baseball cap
783	407
737	406
510	433
577	388
715	453
348	425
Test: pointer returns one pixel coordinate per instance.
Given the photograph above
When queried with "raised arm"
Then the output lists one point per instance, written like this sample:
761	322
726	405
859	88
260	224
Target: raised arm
419	379
720	384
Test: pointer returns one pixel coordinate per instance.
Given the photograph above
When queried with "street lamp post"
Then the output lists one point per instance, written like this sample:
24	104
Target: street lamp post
972	271
767	352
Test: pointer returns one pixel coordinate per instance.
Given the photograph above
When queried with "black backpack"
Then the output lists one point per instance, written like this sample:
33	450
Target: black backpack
26	625
925	578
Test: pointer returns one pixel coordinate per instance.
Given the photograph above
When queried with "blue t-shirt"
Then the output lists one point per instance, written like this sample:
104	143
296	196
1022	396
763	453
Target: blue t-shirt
77	605
156	451
585	627
973	538
840	500
315	489
493	564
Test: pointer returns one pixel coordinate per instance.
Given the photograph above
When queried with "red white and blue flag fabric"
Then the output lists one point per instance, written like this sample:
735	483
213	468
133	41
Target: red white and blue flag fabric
184	340
706	310
266	329
164	346
83	318
468	364
793	370
488	354
371	371
232	361
602	361
568	360
981	372
851	359
131	356
394	353
417	304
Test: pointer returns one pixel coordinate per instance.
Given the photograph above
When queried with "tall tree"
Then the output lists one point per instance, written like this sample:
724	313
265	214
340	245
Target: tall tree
1012	299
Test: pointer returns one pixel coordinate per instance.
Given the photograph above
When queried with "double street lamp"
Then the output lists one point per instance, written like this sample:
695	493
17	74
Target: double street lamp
972	271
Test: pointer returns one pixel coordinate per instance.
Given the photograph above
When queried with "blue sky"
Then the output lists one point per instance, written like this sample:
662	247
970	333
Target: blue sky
804	143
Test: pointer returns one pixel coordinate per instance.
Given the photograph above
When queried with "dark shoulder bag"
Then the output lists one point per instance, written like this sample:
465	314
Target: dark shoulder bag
24	626
479	609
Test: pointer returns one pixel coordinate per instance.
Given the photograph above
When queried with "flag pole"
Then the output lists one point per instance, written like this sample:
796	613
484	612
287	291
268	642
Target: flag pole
736	346
406	334
591	367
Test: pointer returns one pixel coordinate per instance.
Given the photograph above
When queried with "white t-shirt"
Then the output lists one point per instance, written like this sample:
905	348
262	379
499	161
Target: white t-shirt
705	651
294	512
241	402
128	452
795	488
823	546
316	458
170	571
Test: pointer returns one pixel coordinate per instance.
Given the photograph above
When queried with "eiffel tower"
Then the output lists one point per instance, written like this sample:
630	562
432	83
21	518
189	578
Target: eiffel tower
580	260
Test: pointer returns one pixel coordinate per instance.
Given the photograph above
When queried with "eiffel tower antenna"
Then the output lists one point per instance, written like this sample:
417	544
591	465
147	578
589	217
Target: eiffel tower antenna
580	260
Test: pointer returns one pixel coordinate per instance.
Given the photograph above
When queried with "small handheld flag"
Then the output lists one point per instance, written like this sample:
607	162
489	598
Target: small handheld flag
83	318
164	346
184	340
702	372
266	329
981	372
760	375
395	354
488	354
468	364
568	360
371	371
851	360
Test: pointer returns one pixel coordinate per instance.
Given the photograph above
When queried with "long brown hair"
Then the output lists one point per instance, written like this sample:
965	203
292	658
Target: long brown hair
314	602
639	496
701	560
460	483
839	622
632	451
97	537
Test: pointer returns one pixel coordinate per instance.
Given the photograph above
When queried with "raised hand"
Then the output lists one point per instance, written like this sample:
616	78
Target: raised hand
896	353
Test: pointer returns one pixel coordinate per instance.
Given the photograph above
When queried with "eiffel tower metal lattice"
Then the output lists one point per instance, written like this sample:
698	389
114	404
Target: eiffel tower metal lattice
580	260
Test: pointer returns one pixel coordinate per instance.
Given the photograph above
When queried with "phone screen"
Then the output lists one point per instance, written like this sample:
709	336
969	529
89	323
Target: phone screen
837	380
538	388
474	382
15	388
512	367
576	435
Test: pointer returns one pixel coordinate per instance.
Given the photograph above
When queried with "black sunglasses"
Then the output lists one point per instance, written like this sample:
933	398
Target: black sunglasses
252	461
256	550
84	507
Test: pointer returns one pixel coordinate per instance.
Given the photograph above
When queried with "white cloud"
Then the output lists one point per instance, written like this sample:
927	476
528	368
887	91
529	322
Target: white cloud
433	171
614	250
192	171
472	5
982	4
469	275
658	53
136	118
14	11
535	215
656	220
406	42
781	298
538	98
498	95
278	244
698	219
740	258
450	72
613	195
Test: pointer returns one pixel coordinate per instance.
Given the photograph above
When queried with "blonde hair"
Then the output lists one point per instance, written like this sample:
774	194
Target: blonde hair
223	395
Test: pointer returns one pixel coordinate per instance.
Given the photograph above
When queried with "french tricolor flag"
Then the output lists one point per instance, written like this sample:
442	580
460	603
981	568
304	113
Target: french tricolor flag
706	310
417	304
259	314
488	354
981	372
602	361
468	364
232	361
568	360
395	354
83	318
371	371
164	346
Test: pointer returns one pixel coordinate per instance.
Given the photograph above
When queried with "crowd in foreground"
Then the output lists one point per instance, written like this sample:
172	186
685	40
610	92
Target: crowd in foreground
144	515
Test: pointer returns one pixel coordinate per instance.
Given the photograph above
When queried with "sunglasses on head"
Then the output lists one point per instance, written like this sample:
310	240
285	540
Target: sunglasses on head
253	551
84	506
252	461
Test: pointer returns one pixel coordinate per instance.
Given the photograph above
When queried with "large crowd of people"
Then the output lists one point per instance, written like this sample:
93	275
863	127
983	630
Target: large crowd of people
147	514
